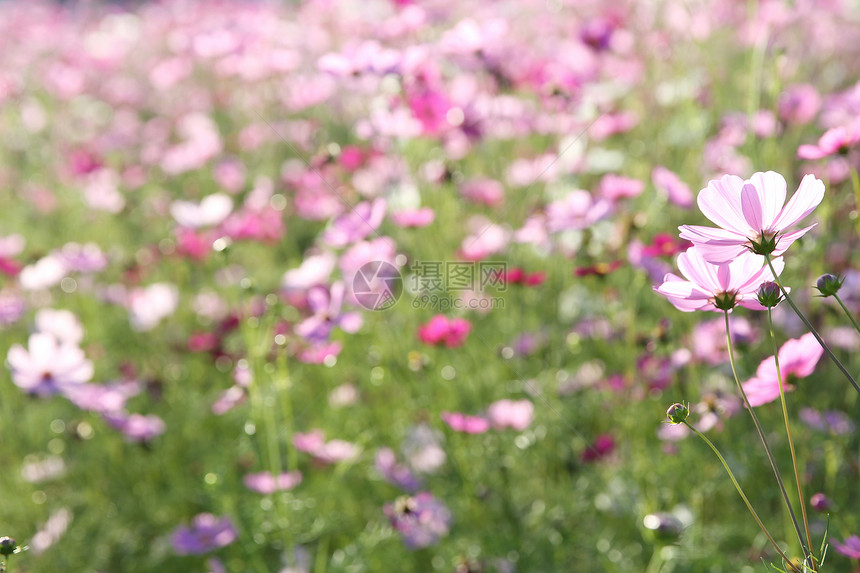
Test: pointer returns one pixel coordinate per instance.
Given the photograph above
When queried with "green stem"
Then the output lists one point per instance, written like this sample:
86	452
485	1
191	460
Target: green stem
855	185
788	433
809	326
764	440
848	314
284	385
743	496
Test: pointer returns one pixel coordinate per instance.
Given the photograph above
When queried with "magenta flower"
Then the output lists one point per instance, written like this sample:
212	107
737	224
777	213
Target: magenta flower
442	330
850	548
48	366
205	534
797	358
752	215
716	287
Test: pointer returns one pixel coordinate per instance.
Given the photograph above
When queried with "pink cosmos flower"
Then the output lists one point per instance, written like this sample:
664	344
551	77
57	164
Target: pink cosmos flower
212	210
615	187
266	483
797	358
442	330
207	533
833	142
356	224
414	217
850	547
514	414
670	185
464	423
717	287
751	215
136	427
329	452
48	365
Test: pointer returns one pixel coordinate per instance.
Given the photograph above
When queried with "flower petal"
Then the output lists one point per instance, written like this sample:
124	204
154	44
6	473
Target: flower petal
716	245
720	202
804	201
771	187
752	207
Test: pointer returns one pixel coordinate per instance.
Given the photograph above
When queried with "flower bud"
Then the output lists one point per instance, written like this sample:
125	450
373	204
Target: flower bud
819	502
769	294
828	285
666	527
677	413
7	546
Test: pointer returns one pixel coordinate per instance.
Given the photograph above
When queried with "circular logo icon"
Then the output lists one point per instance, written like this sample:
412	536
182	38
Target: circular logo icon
377	285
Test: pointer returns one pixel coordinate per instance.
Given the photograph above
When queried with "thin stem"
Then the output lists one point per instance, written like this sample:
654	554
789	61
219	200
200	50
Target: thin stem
850	317
764	441
855	185
743	495
788	431
810	327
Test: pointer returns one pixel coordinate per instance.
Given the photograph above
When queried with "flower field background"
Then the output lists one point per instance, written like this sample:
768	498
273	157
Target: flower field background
359	286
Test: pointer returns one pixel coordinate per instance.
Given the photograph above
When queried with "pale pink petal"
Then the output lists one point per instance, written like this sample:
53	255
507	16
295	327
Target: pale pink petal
752	207
696	269
684	295
807	197
800	356
785	240
811	152
716	245
752	271
720	202
771	187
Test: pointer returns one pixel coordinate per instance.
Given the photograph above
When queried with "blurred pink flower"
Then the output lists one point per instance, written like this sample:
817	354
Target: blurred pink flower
484	191
358	223
670	185
799	104
442	330
849	548
576	210
329	452
751	212
326	304
266	483
614	187
414	217
834	141
211	211
603	445
147	306
709	286
136	427
514	414
48	366
797	358
464	423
